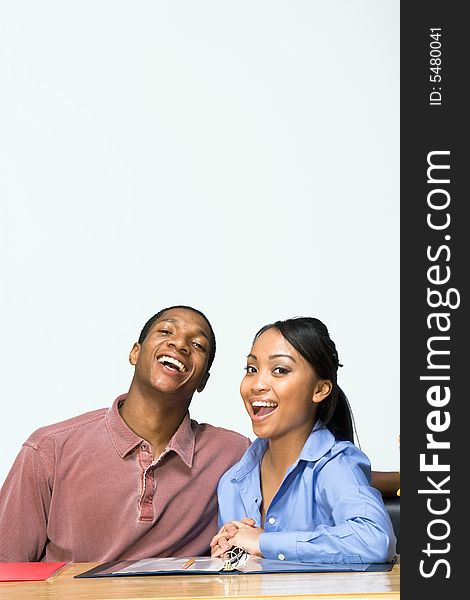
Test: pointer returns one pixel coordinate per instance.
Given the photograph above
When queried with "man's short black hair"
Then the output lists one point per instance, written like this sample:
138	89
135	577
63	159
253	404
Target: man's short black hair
151	321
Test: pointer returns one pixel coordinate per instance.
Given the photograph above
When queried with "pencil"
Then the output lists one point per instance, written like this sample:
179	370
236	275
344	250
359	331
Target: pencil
188	563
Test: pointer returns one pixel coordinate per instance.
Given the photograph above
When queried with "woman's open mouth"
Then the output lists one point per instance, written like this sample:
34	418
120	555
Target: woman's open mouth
261	408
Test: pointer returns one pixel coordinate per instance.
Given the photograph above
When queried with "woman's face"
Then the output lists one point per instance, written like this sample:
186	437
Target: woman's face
280	389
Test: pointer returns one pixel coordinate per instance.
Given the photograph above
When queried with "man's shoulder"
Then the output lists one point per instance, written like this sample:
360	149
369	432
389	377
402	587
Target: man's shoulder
220	435
66	427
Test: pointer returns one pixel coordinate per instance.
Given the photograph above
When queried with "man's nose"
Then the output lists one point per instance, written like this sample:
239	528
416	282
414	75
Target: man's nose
179	343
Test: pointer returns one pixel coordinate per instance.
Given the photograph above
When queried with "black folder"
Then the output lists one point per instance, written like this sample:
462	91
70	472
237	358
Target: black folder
204	565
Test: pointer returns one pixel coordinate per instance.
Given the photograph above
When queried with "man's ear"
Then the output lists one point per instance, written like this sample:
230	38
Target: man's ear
322	390
202	385
134	354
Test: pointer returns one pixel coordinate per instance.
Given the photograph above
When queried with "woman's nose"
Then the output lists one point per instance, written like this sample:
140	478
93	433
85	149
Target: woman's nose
260	384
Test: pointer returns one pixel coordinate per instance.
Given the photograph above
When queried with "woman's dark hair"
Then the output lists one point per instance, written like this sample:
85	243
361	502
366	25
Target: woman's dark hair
310	337
146	328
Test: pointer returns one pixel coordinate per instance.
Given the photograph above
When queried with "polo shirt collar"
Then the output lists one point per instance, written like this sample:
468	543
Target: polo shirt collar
125	440
183	441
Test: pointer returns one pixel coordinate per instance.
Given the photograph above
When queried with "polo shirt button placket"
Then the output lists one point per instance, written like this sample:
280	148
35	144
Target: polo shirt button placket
146	507
146	503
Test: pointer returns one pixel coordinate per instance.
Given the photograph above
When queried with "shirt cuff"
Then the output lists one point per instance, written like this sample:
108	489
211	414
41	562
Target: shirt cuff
279	545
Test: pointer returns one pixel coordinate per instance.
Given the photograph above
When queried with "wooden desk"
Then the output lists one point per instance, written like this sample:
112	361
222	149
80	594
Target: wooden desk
286	586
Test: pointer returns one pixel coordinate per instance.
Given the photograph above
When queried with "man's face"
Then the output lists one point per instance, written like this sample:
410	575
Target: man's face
173	357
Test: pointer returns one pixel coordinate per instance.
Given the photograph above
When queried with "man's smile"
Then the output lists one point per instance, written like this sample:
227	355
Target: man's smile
172	363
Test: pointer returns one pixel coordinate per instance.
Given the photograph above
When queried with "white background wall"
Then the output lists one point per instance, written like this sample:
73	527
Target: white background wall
240	157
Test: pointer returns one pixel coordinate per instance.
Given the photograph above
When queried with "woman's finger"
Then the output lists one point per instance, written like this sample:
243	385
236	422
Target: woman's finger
218	551
217	537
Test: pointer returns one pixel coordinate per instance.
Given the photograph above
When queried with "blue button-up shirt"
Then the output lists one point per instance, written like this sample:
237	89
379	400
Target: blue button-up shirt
325	509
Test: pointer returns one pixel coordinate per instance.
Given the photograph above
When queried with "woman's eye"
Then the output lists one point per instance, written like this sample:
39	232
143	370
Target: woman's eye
250	369
280	371
165	331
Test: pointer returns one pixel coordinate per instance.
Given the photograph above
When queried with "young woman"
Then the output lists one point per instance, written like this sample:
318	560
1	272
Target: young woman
302	491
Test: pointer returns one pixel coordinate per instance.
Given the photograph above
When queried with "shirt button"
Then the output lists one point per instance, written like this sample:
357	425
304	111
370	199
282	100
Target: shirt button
271	520
143	446
281	556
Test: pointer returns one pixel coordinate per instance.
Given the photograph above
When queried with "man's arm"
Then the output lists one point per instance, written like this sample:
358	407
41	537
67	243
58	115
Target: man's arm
24	507
387	482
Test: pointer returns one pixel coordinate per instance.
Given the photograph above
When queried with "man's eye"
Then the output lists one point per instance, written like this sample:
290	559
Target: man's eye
281	371
199	346
250	369
165	331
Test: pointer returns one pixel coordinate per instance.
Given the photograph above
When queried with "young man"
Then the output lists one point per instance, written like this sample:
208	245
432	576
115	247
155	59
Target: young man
132	481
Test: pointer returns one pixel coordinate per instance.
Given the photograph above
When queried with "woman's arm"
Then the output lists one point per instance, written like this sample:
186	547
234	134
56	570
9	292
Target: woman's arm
349	521
331	514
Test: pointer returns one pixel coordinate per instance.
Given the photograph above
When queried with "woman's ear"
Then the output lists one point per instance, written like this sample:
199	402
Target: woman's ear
322	390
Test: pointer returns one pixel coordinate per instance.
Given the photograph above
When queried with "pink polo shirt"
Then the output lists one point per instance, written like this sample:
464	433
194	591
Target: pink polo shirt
87	489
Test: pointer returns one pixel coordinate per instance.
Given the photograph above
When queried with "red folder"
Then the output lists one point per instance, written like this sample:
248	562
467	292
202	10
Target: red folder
28	571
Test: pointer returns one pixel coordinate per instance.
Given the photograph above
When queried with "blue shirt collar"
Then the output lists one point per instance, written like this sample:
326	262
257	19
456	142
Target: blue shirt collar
318	443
